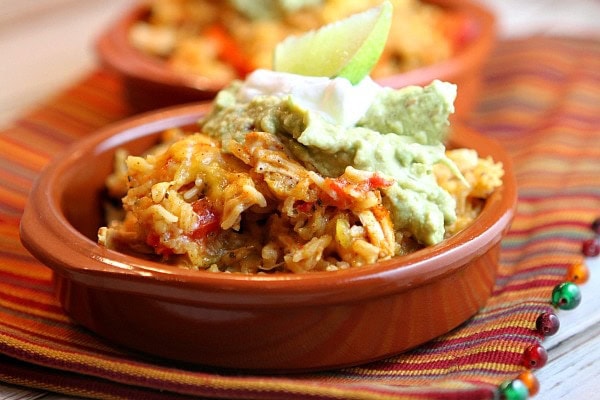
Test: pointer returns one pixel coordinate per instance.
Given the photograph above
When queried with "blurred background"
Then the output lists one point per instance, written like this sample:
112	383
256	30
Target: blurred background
52	40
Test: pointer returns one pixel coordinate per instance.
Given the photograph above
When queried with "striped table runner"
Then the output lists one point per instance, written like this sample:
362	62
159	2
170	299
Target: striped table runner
541	99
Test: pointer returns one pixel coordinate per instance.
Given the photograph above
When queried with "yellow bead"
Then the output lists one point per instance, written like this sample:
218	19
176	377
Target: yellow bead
532	383
578	273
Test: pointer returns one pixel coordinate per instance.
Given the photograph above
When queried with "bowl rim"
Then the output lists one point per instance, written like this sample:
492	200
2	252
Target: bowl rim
47	234
465	59
115	51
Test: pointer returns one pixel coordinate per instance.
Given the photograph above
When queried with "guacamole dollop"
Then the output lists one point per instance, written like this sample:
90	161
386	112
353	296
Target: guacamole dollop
400	135
270	9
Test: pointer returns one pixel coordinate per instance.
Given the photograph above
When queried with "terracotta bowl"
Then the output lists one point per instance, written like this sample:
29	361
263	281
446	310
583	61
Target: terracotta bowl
150	83
285	322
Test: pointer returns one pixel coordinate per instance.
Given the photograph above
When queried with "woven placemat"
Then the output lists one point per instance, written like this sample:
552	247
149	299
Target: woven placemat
541	99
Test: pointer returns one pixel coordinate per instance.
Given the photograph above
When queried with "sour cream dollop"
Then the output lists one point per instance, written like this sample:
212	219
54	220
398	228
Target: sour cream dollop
337	100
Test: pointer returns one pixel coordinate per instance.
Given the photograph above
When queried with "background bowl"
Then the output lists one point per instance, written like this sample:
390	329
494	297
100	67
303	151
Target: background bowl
285	322
150	83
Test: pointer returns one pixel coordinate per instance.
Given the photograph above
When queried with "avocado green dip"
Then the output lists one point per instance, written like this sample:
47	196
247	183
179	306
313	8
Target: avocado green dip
270	9
397	133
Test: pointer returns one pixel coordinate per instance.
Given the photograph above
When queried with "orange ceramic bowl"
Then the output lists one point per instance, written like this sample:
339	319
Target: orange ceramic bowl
285	322
150	83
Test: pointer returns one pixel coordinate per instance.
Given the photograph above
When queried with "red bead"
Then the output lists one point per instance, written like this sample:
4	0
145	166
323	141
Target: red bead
591	247
535	356
596	226
532	383
578	273
547	324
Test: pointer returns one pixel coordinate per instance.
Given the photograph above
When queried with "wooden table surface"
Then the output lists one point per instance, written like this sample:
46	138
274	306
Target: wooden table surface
46	45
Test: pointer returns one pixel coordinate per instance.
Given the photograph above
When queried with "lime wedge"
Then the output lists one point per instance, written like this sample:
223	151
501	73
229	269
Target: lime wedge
348	48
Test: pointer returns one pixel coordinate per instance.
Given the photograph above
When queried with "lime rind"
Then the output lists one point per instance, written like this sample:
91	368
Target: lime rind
348	48
367	56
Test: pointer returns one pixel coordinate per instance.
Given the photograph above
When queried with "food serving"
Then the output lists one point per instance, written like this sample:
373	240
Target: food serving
223	40
294	173
266	321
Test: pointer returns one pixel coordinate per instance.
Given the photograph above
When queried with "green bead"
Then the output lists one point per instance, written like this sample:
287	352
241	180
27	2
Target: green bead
566	296
513	390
